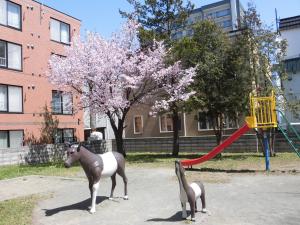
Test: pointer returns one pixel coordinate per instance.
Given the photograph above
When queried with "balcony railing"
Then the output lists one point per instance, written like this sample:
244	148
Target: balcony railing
2	61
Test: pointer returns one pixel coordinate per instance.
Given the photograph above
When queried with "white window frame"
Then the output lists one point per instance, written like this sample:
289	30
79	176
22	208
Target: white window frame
165	114
60	31
207	123
210	128
142	125
227	123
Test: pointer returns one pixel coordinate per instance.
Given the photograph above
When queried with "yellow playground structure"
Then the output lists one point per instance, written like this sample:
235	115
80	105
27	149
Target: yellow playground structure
262	112
262	116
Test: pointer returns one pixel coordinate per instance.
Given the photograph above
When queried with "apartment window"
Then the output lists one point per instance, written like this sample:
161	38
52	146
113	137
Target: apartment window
11	138
222	13
64	135
227	23
292	65
62	103
211	15
10	55
11	99
138	124
59	31
166	123
204	121
230	123
10	14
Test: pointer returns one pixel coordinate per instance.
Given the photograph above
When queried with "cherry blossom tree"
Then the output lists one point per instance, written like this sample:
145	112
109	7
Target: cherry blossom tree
172	96
111	76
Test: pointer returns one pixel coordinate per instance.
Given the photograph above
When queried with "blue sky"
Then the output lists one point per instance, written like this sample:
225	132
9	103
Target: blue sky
103	16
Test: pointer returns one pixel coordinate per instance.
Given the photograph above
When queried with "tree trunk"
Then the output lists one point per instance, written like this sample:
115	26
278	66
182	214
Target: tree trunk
93	120
118	132
120	141
219	133
175	120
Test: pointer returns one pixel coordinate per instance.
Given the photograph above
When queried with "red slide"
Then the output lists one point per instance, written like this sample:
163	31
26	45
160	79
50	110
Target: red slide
217	149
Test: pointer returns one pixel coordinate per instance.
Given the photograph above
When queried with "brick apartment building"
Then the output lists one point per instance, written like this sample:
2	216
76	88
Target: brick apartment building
29	33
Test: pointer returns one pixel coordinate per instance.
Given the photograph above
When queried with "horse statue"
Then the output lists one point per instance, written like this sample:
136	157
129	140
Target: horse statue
189	192
96	166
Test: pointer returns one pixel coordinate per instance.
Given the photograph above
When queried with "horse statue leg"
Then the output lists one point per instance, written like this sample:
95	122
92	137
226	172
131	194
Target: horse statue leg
94	196
113	185
202	197
184	213
121	171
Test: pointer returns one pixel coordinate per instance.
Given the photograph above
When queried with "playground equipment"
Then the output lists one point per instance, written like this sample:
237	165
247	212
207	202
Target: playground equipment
189	192
96	166
290	133
262	115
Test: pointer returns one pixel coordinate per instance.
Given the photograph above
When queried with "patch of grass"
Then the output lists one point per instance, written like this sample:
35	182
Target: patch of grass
18	211
156	158
58	169
229	162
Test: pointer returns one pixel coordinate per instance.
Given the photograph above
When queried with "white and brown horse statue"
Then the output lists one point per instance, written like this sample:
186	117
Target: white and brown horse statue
189	192
97	166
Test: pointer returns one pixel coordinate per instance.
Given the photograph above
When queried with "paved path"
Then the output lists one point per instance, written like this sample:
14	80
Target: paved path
153	200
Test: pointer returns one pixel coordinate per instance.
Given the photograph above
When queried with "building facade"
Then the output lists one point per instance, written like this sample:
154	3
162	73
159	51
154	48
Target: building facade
141	124
227	14
290	30
30	33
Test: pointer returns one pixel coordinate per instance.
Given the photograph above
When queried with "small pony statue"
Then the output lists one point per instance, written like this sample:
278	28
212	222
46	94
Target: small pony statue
96	166
189	192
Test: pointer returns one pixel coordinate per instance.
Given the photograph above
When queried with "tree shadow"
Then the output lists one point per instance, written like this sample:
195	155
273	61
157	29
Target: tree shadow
175	218
83	205
205	169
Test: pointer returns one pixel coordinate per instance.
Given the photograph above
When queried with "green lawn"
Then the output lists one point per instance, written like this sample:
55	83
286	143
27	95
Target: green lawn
18	211
230	162
7	172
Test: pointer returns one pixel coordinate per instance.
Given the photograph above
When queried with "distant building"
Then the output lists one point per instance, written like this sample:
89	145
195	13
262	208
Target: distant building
290	30
30	33
227	14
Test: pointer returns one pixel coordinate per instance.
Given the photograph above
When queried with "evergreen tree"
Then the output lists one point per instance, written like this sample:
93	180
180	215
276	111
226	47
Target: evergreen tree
221	81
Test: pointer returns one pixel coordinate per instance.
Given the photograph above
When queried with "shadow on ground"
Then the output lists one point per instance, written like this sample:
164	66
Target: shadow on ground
157	157
205	169
175	218
83	205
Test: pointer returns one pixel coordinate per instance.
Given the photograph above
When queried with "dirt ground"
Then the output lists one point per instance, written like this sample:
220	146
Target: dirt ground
232	199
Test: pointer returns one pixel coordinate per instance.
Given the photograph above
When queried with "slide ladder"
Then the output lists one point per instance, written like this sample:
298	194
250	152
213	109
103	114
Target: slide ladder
293	136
